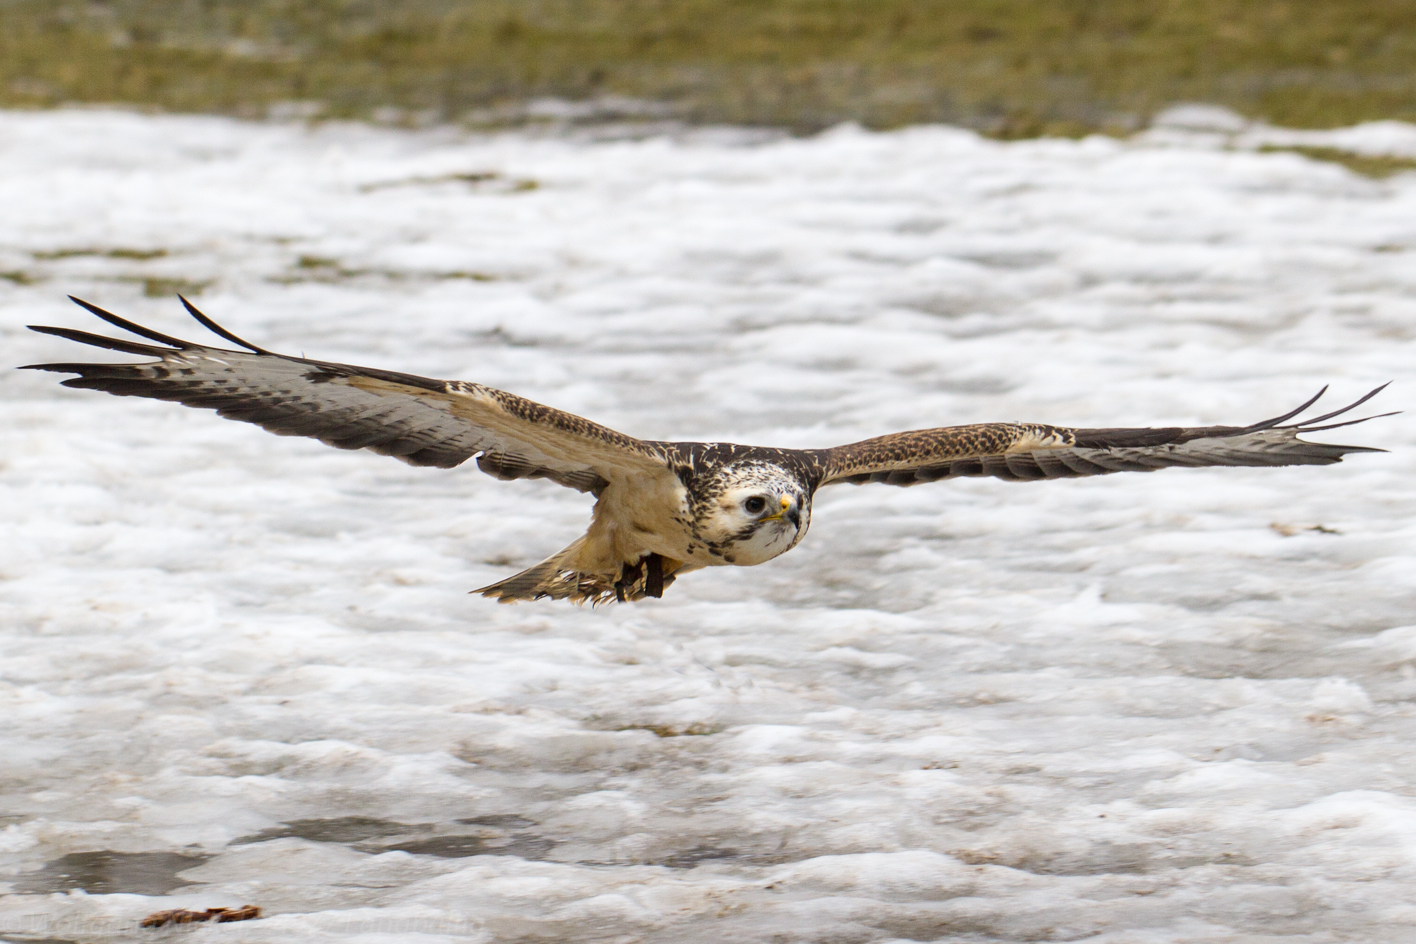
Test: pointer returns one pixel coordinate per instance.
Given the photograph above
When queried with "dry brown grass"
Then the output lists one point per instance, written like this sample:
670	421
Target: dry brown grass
1011	67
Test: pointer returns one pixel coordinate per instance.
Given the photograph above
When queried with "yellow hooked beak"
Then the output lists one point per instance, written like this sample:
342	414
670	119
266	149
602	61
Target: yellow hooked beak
786	503
786	511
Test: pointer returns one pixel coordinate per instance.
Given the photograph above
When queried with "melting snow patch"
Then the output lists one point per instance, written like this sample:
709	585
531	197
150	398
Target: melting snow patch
236	668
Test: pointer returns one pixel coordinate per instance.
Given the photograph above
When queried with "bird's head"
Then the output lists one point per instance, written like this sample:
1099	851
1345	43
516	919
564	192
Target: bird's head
754	511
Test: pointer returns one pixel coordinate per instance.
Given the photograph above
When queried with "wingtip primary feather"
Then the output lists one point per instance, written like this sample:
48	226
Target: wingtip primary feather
1308	423
127	325
217	329
98	340
1271	423
1377	416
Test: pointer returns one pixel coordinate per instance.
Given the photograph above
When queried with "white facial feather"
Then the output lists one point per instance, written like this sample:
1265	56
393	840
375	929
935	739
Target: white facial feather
755	513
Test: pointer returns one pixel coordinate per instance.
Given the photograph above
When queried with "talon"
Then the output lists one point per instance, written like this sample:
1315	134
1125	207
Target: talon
629	575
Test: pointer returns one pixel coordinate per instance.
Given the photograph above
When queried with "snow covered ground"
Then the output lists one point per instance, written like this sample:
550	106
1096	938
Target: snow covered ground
239	668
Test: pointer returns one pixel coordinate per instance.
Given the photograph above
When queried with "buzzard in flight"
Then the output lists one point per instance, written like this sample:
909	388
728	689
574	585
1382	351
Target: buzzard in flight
662	508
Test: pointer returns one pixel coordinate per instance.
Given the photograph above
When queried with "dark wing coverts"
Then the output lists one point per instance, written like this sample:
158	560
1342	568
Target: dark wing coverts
1022	452
416	419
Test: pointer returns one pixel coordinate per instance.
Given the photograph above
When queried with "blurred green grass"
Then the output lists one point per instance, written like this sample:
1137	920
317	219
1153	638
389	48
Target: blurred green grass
1013	68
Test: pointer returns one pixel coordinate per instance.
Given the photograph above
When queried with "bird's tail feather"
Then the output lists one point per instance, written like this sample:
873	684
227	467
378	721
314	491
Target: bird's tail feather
556	577
561	576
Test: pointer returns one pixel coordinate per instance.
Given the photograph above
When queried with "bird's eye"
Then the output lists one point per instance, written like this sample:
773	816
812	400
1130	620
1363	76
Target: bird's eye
755	504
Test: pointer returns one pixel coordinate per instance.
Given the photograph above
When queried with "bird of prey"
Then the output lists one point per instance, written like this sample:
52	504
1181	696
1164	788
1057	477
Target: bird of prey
662	508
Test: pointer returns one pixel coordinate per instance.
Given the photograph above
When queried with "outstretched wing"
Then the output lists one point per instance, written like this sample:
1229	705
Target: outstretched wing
1022	451
421	421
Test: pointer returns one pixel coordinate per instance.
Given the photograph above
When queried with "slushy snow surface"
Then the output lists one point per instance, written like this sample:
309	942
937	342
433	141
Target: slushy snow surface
239	668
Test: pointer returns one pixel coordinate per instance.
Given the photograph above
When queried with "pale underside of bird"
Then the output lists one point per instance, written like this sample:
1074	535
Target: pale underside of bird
662	508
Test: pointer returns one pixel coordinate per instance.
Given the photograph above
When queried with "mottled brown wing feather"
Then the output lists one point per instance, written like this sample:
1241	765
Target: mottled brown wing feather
417	419
1021	452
